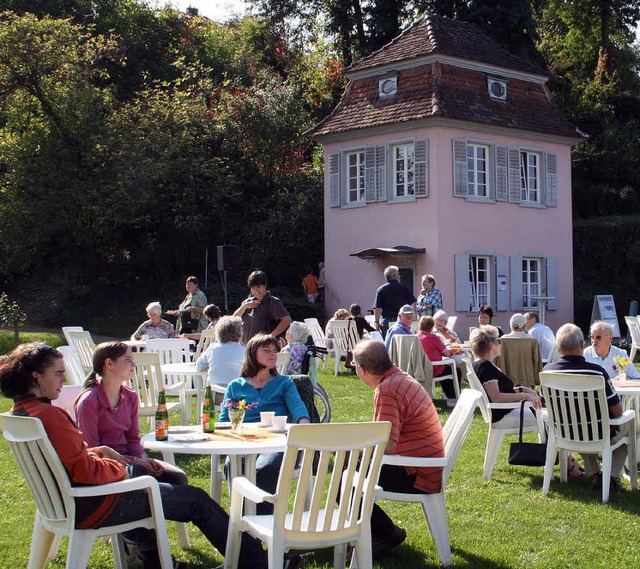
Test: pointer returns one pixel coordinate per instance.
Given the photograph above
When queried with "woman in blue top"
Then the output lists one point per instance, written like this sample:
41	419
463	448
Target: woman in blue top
260	383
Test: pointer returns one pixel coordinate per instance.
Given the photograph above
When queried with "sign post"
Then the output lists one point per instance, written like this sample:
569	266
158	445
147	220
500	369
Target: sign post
605	309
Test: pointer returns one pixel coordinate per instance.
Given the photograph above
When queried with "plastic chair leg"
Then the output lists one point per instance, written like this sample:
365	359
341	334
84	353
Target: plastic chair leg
494	441
80	546
435	512
42	541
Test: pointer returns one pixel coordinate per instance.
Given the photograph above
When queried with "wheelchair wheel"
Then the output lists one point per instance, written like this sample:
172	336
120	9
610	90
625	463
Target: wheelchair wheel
322	403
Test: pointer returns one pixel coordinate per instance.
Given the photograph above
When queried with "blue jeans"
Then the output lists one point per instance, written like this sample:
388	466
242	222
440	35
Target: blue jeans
387	322
183	503
267	474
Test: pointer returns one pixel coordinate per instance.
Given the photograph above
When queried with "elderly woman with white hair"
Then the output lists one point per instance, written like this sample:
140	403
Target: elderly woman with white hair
155	327
223	359
296	336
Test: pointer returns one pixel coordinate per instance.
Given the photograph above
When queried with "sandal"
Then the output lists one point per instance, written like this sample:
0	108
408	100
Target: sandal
574	470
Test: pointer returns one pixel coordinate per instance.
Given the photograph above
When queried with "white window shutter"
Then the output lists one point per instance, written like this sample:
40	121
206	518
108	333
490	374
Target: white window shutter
552	282
422	170
381	173
502	269
514	175
334	180
502	187
370	174
463	296
516	282
459	168
551	178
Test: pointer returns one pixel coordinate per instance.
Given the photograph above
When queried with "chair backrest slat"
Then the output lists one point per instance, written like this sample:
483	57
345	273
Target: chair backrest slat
476	384
147	380
345	335
84	346
171	350
316	332
207	337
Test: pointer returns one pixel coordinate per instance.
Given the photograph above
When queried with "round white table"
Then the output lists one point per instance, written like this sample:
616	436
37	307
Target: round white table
234	446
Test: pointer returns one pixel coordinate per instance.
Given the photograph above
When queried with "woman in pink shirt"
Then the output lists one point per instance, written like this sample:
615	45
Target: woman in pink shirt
434	348
107	411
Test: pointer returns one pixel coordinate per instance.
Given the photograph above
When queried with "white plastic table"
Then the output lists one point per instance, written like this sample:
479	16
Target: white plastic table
234	446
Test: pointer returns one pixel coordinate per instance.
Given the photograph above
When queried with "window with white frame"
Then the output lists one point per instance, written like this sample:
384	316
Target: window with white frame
479	291
477	170
530	176
531	281
355	177
403	170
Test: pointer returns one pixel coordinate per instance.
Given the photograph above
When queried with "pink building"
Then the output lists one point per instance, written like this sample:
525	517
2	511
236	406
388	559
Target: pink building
446	155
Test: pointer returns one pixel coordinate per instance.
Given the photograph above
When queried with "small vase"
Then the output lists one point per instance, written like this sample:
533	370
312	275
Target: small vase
236	416
622	377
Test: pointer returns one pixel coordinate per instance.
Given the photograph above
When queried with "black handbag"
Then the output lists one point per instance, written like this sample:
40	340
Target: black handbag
527	454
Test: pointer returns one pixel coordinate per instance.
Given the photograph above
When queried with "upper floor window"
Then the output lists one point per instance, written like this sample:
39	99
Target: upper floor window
479	291
477	170
403	170
355	177
531	282
529	176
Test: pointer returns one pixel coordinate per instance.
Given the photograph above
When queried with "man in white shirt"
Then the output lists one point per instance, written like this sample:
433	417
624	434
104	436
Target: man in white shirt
542	333
601	351
517	323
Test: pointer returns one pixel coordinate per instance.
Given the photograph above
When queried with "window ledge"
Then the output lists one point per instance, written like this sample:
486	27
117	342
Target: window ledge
534	205
402	199
354	205
476	199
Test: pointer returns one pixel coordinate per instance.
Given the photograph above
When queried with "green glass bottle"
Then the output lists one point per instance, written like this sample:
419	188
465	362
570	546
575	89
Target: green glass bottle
208	419
162	418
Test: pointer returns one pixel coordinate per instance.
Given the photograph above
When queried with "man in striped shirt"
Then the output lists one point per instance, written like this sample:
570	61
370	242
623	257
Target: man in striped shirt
415	431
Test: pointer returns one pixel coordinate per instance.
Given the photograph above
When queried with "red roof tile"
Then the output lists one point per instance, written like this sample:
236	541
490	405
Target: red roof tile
440	35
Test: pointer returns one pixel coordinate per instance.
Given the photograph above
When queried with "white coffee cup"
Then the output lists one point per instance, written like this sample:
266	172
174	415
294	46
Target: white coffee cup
266	417
279	422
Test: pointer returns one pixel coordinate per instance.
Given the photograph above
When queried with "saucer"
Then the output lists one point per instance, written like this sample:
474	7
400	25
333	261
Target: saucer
274	430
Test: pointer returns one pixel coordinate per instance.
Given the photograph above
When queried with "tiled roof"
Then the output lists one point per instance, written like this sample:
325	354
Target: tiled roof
445	90
440	35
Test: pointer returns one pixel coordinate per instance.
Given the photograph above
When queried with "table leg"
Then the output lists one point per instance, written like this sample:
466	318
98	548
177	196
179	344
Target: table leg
217	475
181	528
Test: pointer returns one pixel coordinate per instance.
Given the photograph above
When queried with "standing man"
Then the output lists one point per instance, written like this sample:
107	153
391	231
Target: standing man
415	431
570	343
262	313
601	352
541	332
190	316
402	325
310	287
389	299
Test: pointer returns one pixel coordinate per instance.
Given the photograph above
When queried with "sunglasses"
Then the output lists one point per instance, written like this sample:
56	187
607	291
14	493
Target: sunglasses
596	337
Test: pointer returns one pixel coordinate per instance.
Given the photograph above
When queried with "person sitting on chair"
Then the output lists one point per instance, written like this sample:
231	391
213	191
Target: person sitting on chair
155	327
517	324
602	352
223	358
402	325
296	336
415	431
542	333
33	375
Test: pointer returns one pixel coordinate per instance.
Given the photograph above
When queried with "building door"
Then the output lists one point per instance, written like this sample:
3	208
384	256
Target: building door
407	278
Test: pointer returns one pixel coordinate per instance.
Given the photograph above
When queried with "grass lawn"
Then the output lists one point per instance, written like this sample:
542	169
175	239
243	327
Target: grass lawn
502	523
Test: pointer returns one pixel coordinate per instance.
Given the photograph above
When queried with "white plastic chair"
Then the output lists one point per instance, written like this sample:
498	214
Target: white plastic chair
207	337
634	330
55	505
283	362
175	351
147	380
453	374
579	421
451	322
72	366
345	338
67	329
319	339
350	456
83	344
433	505
496	434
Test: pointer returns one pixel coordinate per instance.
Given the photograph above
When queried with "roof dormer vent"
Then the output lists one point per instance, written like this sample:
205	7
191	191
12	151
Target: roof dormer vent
497	89
388	87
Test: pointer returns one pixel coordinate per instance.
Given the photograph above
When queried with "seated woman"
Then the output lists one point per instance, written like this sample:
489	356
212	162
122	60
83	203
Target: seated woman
223	359
297	335
340	314
435	349
107	411
33	375
485	344
260	383
485	317
440	318
212	312
155	327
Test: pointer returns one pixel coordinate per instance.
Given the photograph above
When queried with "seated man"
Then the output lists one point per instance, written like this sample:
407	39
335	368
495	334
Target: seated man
542	333
517	323
601	351
570	342
33	375
415	431
402	325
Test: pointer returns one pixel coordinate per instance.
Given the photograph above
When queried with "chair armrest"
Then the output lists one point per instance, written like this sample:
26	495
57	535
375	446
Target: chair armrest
218	388
175	388
244	487
120	487
417	461
628	415
510	405
444	361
